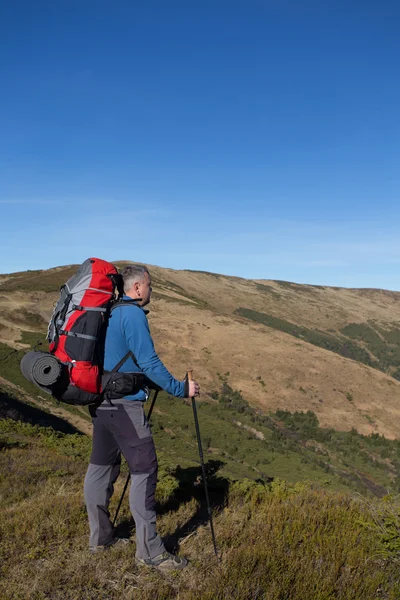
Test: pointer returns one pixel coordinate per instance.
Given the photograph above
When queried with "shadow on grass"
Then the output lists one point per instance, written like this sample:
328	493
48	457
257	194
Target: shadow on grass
11	408
190	487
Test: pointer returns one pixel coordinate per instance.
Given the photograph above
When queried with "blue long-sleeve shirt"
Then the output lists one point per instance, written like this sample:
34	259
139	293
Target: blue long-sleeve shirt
128	330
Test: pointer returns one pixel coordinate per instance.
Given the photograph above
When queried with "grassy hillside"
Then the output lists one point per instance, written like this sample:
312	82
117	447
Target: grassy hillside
275	540
287	346
324	420
299	384
243	442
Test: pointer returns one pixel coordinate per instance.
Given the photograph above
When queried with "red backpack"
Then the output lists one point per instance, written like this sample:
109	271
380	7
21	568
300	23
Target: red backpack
77	327
73	369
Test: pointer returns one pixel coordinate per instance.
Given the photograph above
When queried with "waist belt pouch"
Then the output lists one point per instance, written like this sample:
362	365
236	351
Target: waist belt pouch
117	385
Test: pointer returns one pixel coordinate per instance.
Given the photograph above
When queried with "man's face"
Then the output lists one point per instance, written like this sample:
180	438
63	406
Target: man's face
143	289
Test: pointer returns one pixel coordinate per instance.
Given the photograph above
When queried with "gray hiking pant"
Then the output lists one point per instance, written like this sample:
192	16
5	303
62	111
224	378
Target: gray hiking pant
123	428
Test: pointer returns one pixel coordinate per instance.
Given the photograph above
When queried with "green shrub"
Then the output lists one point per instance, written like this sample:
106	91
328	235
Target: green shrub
322	339
383	344
384	521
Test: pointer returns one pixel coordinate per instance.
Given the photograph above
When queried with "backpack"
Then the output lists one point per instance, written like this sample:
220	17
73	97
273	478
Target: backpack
72	371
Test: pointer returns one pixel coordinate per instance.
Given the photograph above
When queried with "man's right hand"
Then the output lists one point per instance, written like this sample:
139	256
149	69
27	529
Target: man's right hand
194	389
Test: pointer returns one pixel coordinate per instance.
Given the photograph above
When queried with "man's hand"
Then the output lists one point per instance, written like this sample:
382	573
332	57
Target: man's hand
194	389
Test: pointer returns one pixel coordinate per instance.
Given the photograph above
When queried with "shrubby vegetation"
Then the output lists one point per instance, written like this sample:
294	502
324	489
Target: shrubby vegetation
290	451
282	530
291	445
338	344
287	522
384	344
276	540
365	343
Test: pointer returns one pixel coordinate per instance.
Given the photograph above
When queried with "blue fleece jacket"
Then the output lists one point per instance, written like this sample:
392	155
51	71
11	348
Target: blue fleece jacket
128	329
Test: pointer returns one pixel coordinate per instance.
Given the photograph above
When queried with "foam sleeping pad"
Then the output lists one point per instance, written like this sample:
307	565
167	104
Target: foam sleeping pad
41	368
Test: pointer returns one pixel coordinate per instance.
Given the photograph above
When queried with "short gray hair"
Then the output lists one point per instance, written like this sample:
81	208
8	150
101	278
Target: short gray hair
132	273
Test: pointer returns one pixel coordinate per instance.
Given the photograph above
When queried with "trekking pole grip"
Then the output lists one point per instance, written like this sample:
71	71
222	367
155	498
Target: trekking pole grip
190	375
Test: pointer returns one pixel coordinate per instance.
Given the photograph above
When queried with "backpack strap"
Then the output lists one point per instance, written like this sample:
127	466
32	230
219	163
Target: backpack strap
123	360
130	353
132	302
60	317
84	336
89	308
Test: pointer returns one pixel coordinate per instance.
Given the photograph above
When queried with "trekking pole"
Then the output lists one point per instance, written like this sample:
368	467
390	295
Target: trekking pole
129	474
196	423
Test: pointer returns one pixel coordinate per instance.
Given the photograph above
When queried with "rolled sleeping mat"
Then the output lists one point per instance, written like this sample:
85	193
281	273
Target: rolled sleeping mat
40	368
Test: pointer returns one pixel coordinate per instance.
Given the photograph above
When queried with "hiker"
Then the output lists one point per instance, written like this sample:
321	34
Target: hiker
121	427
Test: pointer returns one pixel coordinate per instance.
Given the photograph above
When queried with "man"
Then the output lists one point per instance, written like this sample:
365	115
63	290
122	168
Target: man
121	427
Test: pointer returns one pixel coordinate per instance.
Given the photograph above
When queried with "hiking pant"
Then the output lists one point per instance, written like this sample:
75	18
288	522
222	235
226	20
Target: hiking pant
123	428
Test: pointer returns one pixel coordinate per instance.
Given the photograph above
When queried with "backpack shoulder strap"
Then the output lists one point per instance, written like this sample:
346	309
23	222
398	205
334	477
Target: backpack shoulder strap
128	303
118	303
123	360
130	353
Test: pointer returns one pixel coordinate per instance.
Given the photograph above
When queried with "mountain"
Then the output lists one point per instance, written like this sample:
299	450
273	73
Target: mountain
285	346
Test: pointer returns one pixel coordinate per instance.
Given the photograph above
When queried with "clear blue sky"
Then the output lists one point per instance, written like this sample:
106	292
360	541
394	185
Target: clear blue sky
258	138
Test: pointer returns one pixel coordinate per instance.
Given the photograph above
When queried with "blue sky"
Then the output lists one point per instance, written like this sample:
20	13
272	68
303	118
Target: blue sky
257	138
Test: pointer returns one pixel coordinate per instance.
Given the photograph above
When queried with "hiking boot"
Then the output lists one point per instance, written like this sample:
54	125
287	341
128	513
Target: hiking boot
163	562
116	542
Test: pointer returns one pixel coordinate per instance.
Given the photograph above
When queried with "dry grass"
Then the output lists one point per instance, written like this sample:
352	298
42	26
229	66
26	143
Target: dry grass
291	542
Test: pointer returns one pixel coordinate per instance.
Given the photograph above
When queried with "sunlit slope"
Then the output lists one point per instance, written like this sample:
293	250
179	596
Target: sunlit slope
296	347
